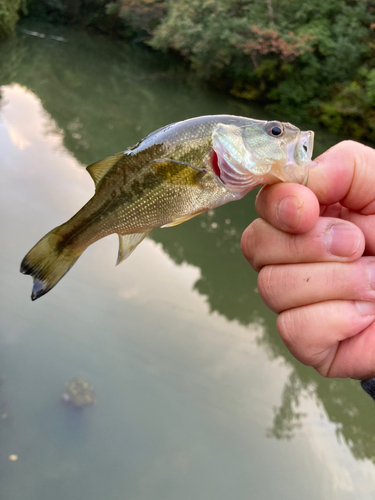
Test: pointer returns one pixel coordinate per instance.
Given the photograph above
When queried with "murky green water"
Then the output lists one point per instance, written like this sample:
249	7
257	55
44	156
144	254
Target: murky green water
196	396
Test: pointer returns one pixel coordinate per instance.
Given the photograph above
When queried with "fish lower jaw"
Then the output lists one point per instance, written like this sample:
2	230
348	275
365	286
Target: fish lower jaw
289	172
272	179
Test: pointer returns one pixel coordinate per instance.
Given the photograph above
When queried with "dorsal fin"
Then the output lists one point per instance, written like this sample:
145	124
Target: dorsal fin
128	243
100	168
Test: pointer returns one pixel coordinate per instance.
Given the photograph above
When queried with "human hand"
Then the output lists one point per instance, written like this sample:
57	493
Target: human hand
315	253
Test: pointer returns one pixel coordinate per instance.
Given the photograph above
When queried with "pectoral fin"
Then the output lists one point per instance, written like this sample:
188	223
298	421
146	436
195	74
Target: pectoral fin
100	168
128	243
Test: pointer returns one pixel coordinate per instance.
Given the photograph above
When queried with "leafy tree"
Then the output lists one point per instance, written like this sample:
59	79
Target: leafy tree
311	60
141	15
300	58
8	16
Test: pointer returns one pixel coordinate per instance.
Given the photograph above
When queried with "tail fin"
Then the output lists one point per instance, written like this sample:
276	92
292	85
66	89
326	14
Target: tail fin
48	261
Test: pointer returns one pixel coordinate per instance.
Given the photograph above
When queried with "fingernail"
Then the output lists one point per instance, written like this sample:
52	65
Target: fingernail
341	240
365	308
289	211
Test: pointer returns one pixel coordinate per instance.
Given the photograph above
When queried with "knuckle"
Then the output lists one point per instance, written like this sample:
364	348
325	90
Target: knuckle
245	243
249	243
294	328
324	369
346	147
347	144
359	153
293	244
286	327
269	286
291	325
261	200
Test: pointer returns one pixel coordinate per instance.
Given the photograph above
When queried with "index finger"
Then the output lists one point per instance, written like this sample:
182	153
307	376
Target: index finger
345	174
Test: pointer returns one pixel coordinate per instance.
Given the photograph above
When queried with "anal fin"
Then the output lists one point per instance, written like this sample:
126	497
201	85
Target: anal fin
128	243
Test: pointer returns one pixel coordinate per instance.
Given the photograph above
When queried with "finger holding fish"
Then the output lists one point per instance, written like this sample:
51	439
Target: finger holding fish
326	307
345	174
329	240
289	207
342	180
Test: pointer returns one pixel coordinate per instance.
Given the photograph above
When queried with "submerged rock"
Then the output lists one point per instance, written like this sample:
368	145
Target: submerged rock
79	393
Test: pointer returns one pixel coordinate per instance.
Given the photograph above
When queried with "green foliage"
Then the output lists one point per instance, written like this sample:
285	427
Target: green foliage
351	108
208	33
300	58
50	10
141	16
8	16
101	14
370	86
305	59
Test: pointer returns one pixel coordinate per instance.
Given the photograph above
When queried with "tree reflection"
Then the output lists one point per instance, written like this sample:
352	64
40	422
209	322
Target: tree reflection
105	96
344	403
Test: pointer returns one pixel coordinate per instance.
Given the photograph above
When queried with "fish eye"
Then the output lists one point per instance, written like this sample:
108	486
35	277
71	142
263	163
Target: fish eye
275	129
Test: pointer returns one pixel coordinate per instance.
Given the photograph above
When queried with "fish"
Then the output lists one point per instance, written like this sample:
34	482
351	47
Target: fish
172	175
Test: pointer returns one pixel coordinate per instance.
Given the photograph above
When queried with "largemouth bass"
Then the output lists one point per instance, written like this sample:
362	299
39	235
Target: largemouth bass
174	174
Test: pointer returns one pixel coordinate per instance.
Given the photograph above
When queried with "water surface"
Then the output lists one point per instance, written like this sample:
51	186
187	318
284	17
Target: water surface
197	398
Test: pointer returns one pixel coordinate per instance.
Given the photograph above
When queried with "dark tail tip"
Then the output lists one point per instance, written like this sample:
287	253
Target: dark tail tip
47	262
39	289
25	268
369	387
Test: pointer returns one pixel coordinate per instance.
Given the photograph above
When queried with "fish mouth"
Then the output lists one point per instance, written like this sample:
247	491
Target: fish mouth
298	158
307	142
241	165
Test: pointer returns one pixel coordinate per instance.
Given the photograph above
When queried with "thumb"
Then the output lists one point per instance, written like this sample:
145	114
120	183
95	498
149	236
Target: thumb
345	174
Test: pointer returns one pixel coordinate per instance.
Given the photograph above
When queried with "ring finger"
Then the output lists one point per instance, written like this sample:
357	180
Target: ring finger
289	286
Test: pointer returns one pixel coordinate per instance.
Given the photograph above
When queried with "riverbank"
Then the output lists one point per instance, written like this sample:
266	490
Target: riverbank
312	61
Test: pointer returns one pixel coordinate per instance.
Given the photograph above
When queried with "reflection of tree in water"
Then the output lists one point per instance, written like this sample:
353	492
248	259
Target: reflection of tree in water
6	422
4	411
105	96
343	401
225	279
287	418
347	413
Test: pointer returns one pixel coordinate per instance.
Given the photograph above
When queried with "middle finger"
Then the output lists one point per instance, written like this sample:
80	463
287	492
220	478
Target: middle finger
330	240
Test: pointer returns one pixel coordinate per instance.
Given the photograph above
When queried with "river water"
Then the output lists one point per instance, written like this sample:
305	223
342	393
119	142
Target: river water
197	398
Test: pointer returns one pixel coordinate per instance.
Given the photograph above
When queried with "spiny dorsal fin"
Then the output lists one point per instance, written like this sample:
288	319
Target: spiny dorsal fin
100	168
128	243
